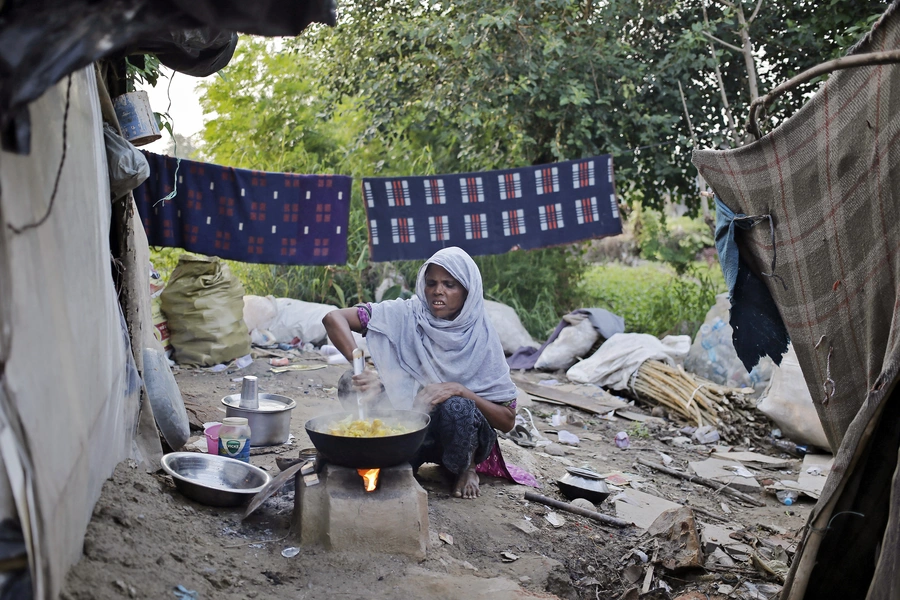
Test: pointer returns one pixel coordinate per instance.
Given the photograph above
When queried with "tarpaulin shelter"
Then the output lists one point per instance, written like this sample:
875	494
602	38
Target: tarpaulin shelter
829	177
74	298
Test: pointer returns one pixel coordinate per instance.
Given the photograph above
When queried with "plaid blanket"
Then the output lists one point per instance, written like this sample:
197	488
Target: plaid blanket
830	178
251	216
492	212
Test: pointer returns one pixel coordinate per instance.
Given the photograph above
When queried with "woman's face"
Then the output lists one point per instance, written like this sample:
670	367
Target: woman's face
444	294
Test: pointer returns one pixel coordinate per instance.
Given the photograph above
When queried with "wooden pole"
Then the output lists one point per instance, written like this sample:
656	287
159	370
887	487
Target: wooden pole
703	481
591	514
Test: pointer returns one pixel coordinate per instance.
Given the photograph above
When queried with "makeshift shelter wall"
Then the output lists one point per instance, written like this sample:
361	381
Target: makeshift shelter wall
829	176
69	390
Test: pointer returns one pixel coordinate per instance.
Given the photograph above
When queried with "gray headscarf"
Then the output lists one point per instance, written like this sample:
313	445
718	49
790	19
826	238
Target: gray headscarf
413	348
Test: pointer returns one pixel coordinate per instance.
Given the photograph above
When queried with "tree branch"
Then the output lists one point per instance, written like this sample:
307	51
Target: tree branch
845	62
723	42
755	11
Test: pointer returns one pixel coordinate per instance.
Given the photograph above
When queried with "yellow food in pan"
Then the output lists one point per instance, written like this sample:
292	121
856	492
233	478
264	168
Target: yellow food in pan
359	428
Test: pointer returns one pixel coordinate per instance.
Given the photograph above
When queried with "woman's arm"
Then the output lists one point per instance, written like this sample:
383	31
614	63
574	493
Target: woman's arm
499	416
340	324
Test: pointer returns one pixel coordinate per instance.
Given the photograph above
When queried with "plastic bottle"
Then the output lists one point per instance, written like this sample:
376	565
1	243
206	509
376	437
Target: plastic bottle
787	497
234	438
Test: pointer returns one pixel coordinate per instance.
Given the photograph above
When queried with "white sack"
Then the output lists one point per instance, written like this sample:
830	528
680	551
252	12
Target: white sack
621	355
788	403
300	319
573	342
506	322
259	311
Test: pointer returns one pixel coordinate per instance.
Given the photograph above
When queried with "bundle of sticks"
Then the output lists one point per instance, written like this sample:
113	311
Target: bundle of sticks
697	400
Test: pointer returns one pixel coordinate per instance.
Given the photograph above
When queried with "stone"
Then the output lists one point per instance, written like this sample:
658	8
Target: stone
679	542
340	515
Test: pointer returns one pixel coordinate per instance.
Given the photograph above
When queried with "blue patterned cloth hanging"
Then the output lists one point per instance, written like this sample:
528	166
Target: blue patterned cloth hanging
250	216
491	212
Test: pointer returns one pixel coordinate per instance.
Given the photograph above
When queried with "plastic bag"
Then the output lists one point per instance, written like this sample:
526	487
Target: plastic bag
127	166
573	342
622	354
788	403
204	305
299	319
259	311
508	326
712	355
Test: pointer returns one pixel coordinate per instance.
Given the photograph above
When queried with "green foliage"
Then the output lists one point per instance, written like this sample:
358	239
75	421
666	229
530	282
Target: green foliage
653	299
164	260
143	69
638	430
489	85
541	285
674	241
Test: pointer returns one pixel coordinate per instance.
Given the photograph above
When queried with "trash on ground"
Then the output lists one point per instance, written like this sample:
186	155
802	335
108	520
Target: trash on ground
622	440
679	542
570	439
446	538
725	472
290	552
555	519
508	557
279	362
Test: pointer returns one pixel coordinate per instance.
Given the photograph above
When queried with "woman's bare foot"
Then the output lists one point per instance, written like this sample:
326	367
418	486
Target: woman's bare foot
466	485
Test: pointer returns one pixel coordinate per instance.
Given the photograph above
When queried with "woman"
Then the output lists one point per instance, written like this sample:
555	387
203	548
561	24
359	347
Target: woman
438	350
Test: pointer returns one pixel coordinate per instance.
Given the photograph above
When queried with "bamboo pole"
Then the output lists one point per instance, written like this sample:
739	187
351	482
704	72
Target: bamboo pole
703	481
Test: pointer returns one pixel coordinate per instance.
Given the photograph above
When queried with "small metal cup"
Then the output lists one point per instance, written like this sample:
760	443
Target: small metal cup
250	393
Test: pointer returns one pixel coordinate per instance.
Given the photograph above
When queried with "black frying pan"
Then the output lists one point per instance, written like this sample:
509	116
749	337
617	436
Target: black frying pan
369	453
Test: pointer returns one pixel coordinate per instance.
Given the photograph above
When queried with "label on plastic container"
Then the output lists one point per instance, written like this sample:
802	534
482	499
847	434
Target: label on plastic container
238	448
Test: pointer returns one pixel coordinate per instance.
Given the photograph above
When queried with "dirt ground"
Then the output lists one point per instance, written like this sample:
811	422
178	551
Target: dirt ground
145	539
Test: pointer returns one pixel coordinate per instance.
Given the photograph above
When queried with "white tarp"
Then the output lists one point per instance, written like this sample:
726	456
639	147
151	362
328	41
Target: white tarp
621	355
68	405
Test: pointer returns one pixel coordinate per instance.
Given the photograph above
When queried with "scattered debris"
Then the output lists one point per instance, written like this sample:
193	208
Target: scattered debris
290	552
641	508
508	557
446	538
718	486
706	434
622	440
567	438
555	519
679	542
575	510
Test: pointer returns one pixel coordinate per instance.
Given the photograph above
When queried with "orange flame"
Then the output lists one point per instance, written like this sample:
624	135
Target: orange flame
370	477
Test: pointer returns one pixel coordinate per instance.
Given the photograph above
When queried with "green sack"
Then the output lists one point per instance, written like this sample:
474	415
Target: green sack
204	304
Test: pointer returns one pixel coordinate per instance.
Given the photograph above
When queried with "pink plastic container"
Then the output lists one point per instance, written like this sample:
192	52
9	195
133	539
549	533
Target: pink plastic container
211	431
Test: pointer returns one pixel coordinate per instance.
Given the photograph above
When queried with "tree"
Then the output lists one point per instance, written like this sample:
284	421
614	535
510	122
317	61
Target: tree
488	85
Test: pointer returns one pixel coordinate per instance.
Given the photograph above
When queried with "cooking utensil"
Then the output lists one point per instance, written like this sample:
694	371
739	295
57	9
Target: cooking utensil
359	365
214	480
250	393
270	424
369	452
273	486
582	483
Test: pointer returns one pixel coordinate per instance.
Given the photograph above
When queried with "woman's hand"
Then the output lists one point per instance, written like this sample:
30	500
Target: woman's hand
367	382
435	393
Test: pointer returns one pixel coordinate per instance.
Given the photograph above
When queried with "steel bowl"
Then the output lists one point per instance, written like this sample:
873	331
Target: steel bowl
580	483
270	424
214	480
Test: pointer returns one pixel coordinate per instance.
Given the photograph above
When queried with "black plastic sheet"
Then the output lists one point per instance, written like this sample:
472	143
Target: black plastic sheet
43	41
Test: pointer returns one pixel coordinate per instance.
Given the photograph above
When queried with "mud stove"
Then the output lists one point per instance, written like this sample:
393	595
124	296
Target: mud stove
338	513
